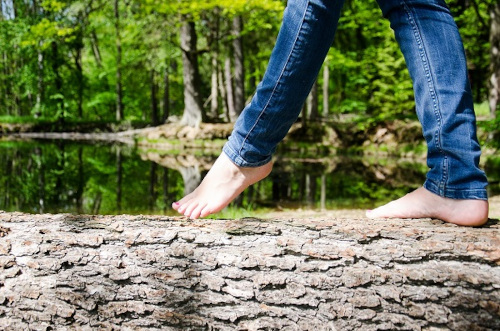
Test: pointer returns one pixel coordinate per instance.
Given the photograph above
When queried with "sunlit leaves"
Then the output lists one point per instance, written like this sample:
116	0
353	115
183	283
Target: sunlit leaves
46	31
53	6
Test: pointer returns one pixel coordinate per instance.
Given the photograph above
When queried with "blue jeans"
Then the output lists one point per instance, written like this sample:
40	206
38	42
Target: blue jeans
433	50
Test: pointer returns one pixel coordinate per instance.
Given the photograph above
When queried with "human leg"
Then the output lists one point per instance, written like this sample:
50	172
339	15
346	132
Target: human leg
304	39
455	187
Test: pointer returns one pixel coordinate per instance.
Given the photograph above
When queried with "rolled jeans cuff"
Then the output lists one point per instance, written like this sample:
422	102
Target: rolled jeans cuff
241	162
459	194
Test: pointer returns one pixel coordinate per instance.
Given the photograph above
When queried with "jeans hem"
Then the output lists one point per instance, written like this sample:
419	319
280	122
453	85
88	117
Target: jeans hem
459	194
241	162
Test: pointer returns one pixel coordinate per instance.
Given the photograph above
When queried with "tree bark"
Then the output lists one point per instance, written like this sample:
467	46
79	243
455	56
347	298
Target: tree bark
193	111
494	95
158	272
239	66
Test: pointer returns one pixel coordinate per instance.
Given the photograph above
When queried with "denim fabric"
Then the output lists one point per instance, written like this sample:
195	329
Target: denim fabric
433	50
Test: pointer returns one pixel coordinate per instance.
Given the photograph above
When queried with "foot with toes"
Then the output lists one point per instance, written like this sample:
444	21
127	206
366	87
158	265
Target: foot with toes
222	184
422	203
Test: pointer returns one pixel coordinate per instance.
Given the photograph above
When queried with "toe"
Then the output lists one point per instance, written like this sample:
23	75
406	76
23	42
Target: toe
206	211
189	210
196	213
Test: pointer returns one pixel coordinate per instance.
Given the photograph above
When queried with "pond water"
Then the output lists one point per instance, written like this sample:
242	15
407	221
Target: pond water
92	178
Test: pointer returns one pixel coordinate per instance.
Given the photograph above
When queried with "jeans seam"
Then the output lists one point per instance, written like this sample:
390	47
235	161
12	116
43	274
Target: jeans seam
278	81
432	91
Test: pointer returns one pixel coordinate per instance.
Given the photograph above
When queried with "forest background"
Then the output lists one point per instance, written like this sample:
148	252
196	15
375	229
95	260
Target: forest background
141	62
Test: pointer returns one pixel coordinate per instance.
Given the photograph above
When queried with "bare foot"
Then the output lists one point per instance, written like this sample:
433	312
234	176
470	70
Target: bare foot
422	203
224	182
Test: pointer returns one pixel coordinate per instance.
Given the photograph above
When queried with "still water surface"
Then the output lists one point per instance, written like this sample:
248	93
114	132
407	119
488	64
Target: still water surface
92	178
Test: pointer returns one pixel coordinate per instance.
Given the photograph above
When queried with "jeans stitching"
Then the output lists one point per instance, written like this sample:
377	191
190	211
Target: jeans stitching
431	89
278	81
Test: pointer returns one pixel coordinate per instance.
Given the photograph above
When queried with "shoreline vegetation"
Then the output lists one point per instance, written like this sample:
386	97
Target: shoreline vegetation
394	138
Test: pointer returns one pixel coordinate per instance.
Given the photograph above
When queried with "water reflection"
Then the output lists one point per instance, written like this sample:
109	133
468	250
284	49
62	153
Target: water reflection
40	177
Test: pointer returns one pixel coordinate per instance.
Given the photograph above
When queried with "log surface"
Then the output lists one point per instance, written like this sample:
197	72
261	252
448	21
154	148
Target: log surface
162	273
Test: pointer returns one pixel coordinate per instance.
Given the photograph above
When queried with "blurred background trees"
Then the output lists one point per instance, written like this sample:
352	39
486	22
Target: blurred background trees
200	60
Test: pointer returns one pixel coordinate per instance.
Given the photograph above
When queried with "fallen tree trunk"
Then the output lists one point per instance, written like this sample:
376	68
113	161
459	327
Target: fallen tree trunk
152	272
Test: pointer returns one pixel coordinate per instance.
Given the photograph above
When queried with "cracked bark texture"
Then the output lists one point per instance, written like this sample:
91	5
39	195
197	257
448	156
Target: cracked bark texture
69	272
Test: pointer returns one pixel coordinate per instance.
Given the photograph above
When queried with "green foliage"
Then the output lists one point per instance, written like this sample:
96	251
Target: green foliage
474	25
369	75
59	59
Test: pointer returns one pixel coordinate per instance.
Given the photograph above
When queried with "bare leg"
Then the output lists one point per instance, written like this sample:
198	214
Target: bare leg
423	204
223	183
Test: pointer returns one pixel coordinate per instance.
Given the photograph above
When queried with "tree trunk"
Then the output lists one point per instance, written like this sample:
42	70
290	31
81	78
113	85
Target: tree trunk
58	189
232	114
304	115
9	168
239	66
494	95
39	86
214	89
95	48
166	195
193	112
152	184
191	177
214	37
79	75
96	206
119	178
223	94
312	102
119	88
8	9
5	83
41	180
58	82
323	192
155	116
81	181
326	89
158	272
166	95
